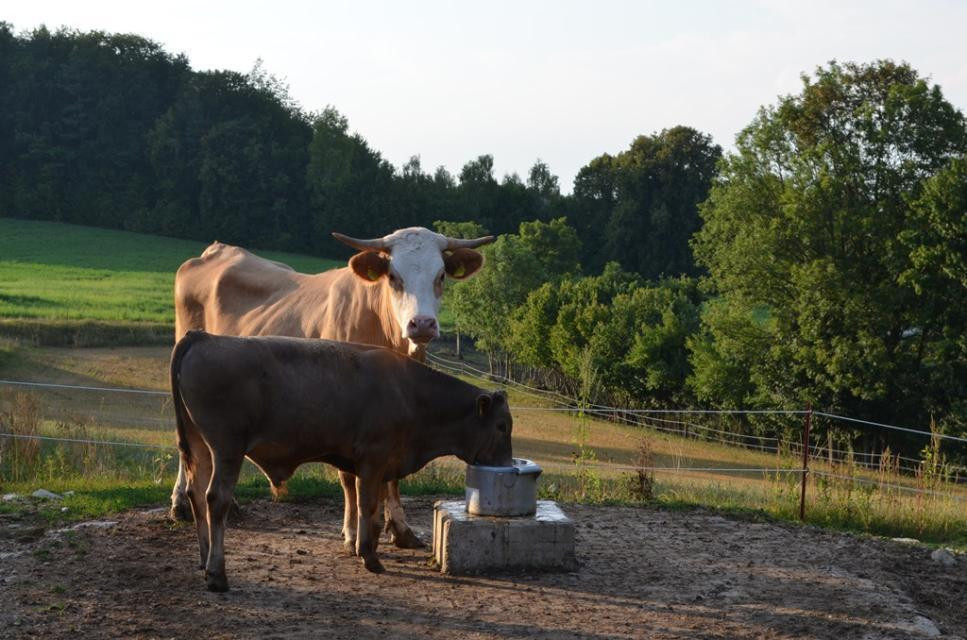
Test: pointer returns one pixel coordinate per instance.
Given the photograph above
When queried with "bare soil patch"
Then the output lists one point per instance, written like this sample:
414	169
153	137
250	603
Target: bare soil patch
645	573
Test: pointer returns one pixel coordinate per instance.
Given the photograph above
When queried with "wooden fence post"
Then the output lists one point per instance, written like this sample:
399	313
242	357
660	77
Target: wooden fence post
805	460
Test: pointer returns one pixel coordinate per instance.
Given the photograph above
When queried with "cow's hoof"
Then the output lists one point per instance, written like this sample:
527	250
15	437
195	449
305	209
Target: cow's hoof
216	582
373	564
181	511
407	540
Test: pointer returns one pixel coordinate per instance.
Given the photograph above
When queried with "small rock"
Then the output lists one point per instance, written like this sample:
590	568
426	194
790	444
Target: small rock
734	594
944	557
68	494
63	509
10	497
95	524
46	495
906	540
920	626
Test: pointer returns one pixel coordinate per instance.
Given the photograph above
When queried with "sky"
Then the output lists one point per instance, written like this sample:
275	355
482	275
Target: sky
562	81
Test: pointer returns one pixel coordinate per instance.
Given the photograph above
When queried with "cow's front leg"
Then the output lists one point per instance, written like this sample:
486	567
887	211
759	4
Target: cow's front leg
400	533
219	499
180	502
368	490
350	514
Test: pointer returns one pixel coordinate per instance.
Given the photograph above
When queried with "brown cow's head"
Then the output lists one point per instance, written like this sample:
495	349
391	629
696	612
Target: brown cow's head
411	263
494	446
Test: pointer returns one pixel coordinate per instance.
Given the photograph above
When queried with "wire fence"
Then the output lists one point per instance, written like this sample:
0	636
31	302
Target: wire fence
648	417
573	404
659	420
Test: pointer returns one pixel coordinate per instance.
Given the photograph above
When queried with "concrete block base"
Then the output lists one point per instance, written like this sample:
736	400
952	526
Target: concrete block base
466	544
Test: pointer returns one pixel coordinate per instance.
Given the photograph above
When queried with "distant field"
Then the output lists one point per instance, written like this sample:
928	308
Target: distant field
65	272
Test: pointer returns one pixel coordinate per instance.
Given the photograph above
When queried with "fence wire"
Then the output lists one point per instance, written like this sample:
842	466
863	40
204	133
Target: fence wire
634	417
572	404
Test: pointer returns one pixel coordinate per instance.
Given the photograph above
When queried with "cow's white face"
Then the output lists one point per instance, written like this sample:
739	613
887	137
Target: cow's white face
412	266
415	281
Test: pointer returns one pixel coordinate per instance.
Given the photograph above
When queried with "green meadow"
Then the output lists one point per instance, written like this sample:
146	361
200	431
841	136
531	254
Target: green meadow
60	272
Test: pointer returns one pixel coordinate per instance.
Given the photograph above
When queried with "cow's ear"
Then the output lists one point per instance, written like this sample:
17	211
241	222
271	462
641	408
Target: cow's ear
369	265
484	400
462	263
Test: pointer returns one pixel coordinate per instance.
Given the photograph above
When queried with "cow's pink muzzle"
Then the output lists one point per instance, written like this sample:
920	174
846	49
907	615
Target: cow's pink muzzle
422	329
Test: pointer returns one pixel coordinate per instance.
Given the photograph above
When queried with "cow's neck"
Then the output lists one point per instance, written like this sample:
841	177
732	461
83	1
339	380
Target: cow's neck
452	429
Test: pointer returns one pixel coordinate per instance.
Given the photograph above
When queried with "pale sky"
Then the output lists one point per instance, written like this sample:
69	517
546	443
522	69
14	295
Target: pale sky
558	80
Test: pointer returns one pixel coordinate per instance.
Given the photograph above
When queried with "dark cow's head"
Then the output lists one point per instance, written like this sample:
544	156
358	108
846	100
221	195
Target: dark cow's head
411	263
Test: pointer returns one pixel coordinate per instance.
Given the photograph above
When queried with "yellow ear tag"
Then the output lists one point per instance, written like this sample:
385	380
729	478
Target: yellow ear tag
459	271
372	275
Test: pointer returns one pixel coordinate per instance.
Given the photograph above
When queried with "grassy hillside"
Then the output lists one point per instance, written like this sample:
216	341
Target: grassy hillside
66	272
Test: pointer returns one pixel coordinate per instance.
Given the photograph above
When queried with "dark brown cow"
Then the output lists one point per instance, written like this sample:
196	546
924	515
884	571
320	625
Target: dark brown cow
388	296
282	402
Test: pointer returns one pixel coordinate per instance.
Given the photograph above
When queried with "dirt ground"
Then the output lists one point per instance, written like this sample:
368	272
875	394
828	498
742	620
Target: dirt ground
644	573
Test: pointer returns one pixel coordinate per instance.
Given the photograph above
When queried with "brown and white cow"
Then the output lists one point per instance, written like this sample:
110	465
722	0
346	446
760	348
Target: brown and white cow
283	402
388	296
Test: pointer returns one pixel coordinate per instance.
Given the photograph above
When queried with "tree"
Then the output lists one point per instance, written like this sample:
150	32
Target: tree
228	158
542	182
515	266
351	187
937	241
631	334
460	229
829	240
640	207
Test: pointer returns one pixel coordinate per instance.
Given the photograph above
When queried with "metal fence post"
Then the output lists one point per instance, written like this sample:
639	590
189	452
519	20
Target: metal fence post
805	460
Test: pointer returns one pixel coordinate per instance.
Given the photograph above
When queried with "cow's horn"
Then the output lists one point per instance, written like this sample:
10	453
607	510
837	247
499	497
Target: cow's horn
362	245
460	243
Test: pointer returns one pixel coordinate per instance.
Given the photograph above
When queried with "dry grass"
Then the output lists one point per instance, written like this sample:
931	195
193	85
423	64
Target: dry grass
584	459
19	416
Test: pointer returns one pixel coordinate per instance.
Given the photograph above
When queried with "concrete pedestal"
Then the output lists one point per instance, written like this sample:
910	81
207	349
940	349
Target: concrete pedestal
467	544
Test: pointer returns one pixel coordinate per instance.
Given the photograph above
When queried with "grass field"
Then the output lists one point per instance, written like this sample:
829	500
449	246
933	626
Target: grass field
60	272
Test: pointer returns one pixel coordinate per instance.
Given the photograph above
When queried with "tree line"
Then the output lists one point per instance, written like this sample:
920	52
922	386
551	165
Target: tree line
113	131
834	244
822	261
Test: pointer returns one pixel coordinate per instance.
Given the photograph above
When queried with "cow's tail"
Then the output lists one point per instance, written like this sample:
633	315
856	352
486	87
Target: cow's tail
181	413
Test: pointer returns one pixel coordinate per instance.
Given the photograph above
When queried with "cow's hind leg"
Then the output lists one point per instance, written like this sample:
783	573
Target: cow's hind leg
219	498
199	473
197	468
350	515
180	502
400	533
368	490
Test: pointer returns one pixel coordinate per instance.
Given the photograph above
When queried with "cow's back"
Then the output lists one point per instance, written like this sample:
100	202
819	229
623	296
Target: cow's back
230	291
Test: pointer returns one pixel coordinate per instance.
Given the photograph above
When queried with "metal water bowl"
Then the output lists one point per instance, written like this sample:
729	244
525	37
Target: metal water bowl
503	491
